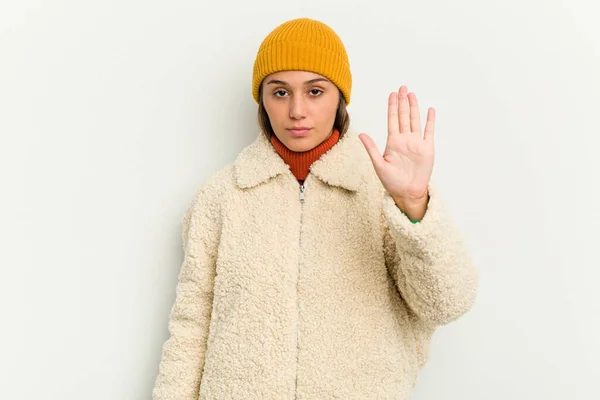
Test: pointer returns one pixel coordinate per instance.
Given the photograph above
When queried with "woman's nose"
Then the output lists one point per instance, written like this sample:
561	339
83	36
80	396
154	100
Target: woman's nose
297	107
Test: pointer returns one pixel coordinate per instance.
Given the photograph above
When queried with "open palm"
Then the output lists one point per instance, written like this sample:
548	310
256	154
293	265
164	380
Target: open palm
407	163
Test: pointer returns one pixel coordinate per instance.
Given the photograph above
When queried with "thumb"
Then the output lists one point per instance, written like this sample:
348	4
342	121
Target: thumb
371	149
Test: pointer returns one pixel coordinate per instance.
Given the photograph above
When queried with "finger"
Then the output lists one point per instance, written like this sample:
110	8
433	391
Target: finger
393	114
403	110
415	118
430	125
371	147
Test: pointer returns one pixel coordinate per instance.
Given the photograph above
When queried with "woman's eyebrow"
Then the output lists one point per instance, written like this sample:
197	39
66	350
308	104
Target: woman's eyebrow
309	82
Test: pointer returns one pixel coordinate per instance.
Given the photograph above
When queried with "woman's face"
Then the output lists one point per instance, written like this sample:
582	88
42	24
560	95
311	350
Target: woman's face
295	99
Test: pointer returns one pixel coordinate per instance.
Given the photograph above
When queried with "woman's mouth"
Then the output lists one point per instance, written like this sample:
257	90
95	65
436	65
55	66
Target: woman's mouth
299	132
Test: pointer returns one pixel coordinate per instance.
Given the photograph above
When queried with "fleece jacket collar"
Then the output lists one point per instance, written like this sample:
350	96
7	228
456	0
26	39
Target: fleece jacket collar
259	162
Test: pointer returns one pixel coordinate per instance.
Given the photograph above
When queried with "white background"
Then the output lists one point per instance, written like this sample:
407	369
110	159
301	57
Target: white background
113	113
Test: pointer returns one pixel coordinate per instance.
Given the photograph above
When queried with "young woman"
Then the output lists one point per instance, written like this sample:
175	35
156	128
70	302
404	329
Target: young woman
314	267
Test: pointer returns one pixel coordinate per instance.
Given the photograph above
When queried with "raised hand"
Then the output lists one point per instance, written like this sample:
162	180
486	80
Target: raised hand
407	163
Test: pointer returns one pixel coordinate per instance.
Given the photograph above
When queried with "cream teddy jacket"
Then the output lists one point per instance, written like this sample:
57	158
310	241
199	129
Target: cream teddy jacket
321	291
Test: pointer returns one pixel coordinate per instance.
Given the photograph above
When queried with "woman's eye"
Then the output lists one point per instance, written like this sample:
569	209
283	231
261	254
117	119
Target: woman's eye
313	92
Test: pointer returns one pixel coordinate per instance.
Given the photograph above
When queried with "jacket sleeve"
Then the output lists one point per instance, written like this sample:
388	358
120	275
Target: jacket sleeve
182	360
429	261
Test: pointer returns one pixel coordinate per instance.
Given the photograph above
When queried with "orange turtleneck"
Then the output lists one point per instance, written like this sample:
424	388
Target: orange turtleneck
300	162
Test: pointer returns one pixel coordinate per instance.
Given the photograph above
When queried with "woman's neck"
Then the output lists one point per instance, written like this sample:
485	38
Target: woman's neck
300	162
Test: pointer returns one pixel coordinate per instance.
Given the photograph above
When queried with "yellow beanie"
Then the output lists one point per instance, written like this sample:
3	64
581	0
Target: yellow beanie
303	44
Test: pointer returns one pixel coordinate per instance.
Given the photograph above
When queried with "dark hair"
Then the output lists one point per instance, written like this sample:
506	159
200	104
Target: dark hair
341	123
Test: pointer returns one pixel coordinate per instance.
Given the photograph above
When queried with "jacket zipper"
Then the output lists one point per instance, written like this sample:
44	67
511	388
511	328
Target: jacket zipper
302	190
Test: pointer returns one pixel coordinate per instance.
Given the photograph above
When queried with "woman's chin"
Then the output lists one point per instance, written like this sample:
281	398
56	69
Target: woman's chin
300	145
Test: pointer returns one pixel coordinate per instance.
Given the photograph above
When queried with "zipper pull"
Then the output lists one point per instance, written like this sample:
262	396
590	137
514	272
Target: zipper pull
302	193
